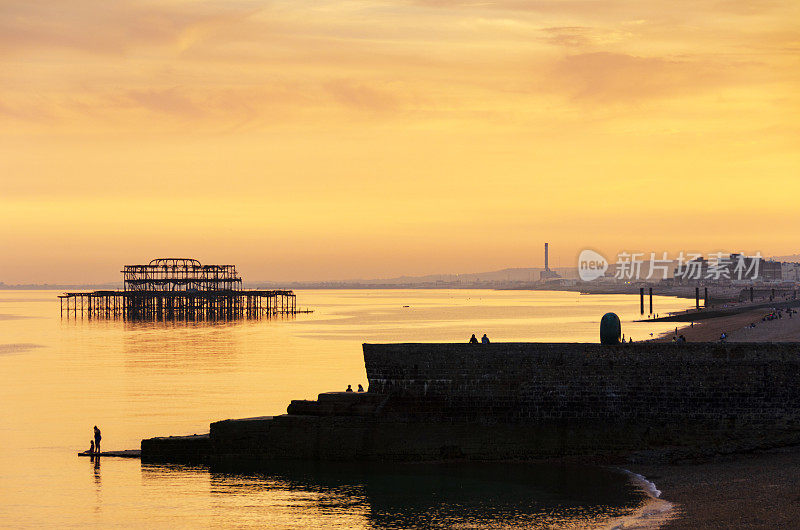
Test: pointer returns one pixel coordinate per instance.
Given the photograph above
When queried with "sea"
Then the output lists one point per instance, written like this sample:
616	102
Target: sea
61	375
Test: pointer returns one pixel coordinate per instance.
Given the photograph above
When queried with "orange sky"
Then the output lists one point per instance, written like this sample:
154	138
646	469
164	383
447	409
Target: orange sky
325	140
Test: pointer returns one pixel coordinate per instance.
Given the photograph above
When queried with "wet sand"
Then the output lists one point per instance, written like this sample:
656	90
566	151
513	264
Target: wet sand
748	491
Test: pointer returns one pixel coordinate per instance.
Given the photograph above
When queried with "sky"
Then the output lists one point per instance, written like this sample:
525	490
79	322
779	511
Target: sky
318	140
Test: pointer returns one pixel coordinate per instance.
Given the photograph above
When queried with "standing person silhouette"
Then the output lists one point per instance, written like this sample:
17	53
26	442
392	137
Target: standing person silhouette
97	437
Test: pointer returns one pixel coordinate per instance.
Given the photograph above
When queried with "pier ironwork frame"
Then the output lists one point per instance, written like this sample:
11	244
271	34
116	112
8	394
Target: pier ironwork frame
180	289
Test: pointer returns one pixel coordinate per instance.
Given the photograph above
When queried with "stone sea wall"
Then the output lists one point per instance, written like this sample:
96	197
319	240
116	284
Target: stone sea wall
725	385
527	400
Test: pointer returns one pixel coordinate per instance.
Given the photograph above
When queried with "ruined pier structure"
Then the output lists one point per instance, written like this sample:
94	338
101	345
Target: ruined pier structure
180	288
527	400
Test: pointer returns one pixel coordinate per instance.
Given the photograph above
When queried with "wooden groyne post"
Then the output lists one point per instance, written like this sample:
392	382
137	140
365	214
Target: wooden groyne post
641	300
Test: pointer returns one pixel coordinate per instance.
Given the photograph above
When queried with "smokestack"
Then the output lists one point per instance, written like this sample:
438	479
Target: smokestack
546	267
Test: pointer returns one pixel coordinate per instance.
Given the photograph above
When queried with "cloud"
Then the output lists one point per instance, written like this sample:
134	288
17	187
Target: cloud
102	27
616	7
167	101
211	107
570	37
263	62
605	76
361	96
32	111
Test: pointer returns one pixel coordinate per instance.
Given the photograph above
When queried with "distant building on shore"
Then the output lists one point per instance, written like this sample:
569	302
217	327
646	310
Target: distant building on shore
735	268
729	270
547	275
790	271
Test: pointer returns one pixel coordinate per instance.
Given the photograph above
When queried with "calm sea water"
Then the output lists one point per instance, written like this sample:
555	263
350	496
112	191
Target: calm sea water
59	377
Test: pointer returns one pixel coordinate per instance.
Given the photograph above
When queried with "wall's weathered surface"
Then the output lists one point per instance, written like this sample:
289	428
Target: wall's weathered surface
708	384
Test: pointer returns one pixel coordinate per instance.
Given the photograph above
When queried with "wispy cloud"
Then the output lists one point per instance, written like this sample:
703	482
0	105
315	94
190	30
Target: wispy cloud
605	76
169	101
361	96
223	63
100	27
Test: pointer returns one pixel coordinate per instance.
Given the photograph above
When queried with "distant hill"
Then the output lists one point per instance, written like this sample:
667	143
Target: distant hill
518	274
509	275
515	274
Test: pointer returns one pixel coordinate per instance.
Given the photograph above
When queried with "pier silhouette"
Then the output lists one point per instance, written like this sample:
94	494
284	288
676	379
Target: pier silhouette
180	289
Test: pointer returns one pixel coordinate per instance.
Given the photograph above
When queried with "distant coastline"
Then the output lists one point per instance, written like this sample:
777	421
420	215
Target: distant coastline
60	286
718	294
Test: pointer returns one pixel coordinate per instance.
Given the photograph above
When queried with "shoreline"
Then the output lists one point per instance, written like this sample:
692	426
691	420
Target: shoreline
654	512
757	490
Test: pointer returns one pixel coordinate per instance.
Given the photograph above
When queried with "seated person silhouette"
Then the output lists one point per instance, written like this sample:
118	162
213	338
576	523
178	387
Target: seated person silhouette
485	339
360	388
473	339
349	388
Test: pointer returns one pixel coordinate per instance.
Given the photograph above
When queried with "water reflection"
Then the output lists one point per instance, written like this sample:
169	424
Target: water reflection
418	495
18	348
96	465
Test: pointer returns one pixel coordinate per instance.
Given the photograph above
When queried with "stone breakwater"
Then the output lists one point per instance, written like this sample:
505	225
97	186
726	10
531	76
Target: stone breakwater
527	400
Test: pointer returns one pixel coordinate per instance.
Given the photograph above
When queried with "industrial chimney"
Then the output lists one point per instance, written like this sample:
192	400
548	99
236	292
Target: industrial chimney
546	267
547	274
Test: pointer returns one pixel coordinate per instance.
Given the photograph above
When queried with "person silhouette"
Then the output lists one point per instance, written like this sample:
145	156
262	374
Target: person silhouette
484	339
91	447
473	339
97	438
360	388
349	388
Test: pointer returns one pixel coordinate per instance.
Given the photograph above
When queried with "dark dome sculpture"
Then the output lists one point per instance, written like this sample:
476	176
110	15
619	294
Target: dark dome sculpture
610	329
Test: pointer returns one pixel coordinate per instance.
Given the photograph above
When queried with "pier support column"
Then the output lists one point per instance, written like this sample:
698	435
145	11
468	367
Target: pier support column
697	298
651	300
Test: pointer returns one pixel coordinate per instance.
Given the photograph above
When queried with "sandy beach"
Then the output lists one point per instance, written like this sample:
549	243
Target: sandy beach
740	491
746	491
736	328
